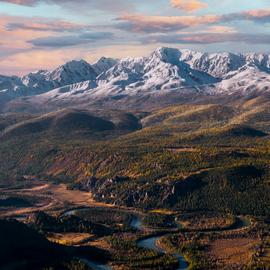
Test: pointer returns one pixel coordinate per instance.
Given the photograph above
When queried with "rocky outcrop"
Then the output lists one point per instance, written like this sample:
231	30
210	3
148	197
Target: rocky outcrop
114	191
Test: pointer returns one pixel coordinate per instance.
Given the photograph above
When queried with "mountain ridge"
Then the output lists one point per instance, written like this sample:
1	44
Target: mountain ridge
166	71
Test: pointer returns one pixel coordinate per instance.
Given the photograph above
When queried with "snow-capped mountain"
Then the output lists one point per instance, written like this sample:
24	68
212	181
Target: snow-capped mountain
69	73
162	70
166	70
42	81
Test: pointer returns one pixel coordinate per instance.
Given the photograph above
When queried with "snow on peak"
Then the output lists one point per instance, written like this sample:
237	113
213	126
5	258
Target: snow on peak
215	64
247	79
167	55
104	64
73	72
161	70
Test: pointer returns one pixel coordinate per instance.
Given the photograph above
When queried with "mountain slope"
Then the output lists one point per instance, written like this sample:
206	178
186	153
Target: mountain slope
247	80
24	248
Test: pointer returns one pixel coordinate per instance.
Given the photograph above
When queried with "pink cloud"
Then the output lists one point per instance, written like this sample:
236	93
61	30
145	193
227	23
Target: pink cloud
160	24
20	2
81	5
259	15
188	5
45	25
17	39
147	24
209	38
17	31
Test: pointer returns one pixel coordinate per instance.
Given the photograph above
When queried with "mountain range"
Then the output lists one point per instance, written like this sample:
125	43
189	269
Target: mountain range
167	75
177	130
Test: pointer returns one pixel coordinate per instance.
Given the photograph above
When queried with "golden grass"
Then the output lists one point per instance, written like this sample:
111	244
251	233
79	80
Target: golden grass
163	211
203	223
69	239
235	252
185	150
171	112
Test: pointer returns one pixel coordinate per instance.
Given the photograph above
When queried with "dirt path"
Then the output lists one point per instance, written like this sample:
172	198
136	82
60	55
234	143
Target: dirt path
36	188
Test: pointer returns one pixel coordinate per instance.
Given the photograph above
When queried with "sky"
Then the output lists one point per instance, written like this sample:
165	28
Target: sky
43	34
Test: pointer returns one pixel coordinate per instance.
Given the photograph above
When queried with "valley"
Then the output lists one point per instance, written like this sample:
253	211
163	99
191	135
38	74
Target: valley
160	162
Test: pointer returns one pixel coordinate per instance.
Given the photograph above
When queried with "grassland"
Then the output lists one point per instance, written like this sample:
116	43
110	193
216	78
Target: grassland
236	252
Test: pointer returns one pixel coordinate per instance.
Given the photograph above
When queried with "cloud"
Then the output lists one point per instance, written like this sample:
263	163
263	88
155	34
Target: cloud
16	40
139	23
219	29
262	15
22	34
71	40
41	25
20	2
152	24
209	38
259	16
17	33
188	5
34	42
107	5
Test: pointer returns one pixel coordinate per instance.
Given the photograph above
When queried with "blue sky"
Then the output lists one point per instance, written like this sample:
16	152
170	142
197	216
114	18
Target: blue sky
39	34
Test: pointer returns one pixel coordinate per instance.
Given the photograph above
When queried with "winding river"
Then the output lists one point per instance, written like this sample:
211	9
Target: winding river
91	263
150	242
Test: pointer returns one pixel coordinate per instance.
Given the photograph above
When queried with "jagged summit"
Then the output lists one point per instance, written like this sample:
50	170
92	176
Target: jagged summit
167	55
161	70
73	72
216	64
104	64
